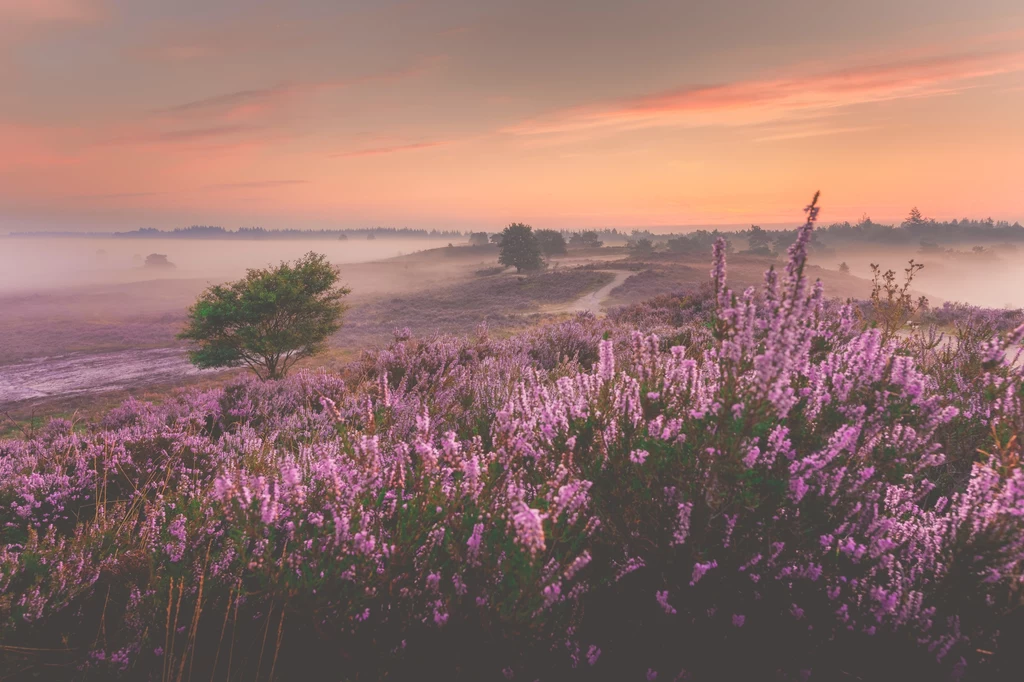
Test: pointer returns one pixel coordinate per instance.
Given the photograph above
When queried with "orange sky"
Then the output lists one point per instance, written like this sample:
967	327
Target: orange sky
471	114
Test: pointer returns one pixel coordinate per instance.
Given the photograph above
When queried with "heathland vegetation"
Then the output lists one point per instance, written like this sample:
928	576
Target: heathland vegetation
715	485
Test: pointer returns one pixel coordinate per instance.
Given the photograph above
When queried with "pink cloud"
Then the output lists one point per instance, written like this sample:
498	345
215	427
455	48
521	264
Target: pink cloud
33	147
258	184
45	11
182	53
376	151
244	103
814	132
759	101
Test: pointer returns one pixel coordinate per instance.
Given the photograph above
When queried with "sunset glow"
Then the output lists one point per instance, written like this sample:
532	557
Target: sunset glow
458	114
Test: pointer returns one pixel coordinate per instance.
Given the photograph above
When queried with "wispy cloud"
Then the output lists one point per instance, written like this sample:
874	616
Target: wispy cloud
376	151
119	195
259	184
231	100
813	132
202	133
35	146
48	11
227	104
759	101
199	137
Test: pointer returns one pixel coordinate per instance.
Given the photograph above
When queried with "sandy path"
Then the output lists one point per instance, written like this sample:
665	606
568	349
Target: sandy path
91	372
593	301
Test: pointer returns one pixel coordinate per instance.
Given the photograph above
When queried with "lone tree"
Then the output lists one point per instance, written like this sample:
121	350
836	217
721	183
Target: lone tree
158	260
915	217
519	248
268	320
479	239
552	243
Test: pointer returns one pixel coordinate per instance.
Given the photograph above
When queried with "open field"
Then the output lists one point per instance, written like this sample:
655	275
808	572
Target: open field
60	347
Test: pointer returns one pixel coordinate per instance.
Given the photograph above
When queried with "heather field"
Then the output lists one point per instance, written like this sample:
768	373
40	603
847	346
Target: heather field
714	484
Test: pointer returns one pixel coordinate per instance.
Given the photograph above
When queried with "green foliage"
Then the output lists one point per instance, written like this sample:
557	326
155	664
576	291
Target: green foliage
586	239
552	243
520	248
758	238
641	246
268	320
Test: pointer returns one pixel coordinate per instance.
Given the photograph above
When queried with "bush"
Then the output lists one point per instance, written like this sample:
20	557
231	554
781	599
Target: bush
268	321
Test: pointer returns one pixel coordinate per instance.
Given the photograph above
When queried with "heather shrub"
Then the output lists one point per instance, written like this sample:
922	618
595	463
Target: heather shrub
733	486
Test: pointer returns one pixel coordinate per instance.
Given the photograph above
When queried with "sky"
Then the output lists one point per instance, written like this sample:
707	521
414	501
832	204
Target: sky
470	114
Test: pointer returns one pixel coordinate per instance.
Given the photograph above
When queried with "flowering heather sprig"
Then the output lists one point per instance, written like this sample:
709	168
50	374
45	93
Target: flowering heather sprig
529	524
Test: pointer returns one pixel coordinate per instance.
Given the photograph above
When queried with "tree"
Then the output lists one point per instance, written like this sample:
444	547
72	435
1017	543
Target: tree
844	268
587	239
683	244
641	246
496	238
478	239
519	248
269	320
915	217
552	243
758	238
158	260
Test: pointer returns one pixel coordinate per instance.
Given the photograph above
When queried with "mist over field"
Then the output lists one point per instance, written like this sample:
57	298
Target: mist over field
44	263
993	281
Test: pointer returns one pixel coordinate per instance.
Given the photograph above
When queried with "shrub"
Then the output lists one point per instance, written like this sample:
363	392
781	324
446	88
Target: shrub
269	320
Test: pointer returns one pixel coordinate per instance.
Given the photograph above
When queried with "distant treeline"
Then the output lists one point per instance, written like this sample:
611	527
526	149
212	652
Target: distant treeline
916	229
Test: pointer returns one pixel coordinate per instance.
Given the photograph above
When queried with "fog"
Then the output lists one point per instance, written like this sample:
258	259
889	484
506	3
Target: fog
33	264
84	315
991	279
82	295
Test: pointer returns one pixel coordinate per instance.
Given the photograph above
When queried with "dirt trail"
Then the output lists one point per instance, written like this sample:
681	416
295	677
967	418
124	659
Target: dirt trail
593	301
78	373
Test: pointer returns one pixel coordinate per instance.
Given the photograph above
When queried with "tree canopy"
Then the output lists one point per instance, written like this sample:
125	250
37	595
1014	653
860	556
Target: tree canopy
587	238
520	248
640	246
758	238
268	320
552	243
